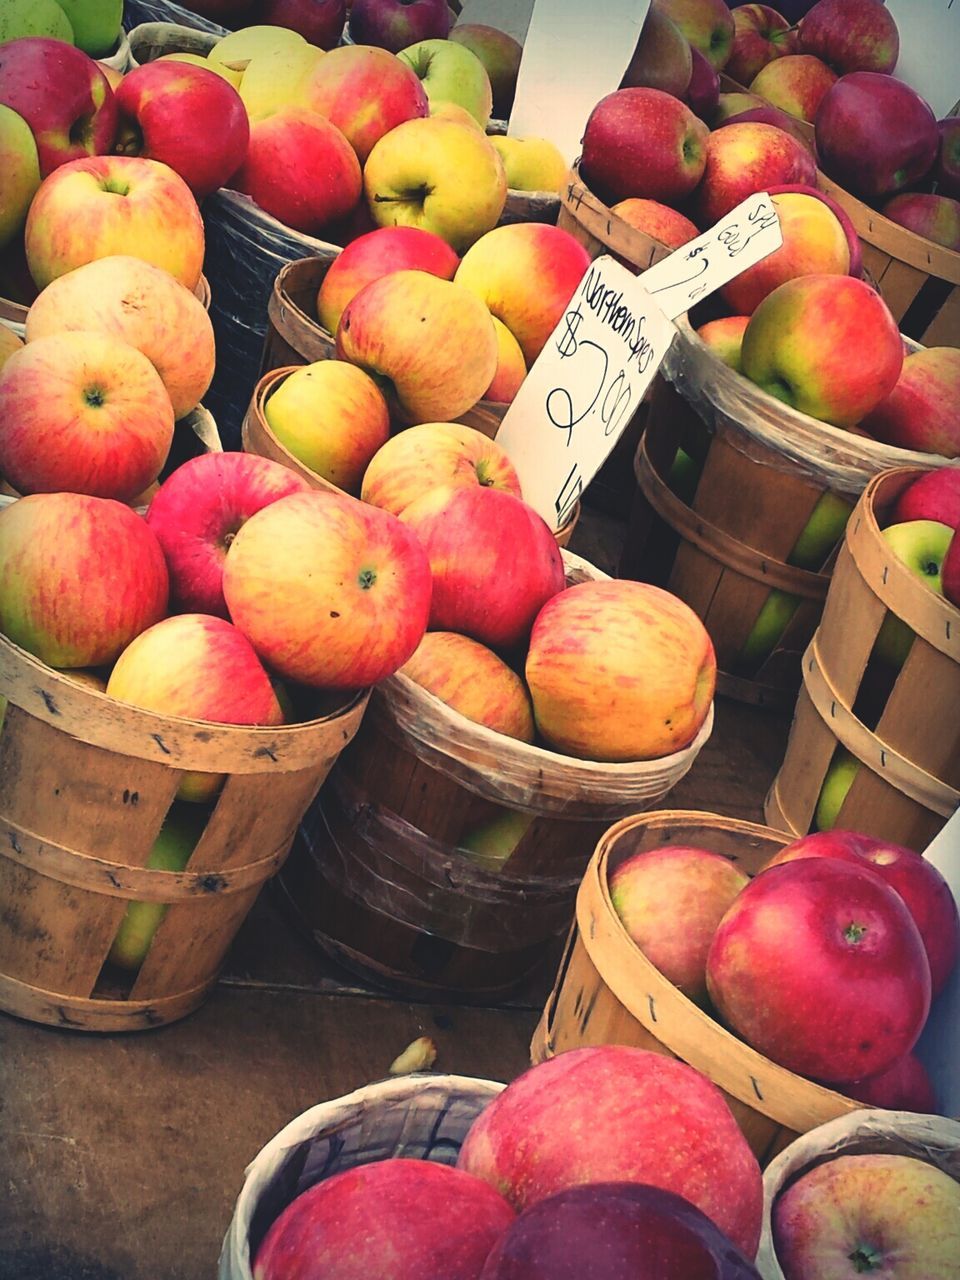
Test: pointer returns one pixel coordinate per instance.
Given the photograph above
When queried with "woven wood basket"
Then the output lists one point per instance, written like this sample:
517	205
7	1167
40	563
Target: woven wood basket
600	230
901	725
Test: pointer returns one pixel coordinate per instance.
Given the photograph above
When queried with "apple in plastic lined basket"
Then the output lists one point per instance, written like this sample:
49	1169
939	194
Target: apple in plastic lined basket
473	680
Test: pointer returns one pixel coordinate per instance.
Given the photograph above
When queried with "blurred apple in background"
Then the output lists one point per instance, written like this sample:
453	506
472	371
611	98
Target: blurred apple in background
670	901
429	343
320	22
743	158
923	410
365	92
499	266
500	55
530	164
662	59
21	173
449	72
642	142
108	205
760	35
947	172
724	337
55	599
657	220
619	671
300	169
796	84
396	24
935	217
129	299
707	24
851	35
471	679
34	18
511	366
83	412
332	417
197	513
96	24
905	1086
703	91
431	455
935	495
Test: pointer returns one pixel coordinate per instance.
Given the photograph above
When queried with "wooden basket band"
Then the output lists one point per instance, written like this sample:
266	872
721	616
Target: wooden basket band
85	1013
870	750
719	545
608	227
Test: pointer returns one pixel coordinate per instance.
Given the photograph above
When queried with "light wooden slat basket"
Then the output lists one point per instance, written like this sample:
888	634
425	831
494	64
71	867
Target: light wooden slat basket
419	1117
908	782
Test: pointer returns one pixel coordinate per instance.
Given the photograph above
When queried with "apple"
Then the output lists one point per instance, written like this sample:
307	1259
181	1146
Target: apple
108	205
743	158
619	671
96	24
332	417
851	35
140	304
833	790
840	962
9	343
430	340
707	24
656	220
178	837
494	561
397	24
500	55
231	76
21	173
652	891
768	114
365	92
330	591
237	48
493	841
703	91
922	546
642	142
760	34
733	103
934	217
430	1221
230	13
55	599
905	1086
618	1114
875	135
826	345
947	172
837	209
877	1212
432	455
63	96
20	18
724	337
615	1229
459	115
796	83
83	412
934	495
471	679
499	266
662	59
197	512
950	578
511	367
531	164
919	883
449	72
274	78
377	254
922	411
320	22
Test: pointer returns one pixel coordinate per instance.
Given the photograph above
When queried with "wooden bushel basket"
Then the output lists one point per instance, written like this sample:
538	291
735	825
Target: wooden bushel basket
415	1117
378	874
608	992
908	782
85	783
600	230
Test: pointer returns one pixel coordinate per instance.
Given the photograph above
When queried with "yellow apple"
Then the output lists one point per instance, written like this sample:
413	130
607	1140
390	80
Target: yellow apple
198	60
238	48
511	366
9	343
273	78
473	680
531	164
459	115
492	842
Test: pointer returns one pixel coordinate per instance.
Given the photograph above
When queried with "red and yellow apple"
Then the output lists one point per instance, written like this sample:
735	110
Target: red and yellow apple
511	366
922	411
724	337
450	72
707	24
20	167
500	55
760	34
473	680
667	225
744	158
797	84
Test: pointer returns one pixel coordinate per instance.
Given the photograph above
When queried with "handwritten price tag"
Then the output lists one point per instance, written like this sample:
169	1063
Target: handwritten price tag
745	236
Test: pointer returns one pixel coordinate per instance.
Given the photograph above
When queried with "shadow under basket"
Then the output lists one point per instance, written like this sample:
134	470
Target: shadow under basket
85	784
896	717
608	992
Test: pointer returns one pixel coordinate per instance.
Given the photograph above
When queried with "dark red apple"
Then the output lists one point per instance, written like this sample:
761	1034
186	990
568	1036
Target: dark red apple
703	91
394	1217
227	13
63	96
819	965
851	35
617	1114
951	572
947	172
661	59
617	1231
875	135
905	1086
197	512
320	22
397	24
933	496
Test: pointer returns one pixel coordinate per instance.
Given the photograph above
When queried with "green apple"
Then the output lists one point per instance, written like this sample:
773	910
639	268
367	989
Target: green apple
21	172
531	164
272	78
179	836
492	842
839	778
922	546
449	72
198	60
684	475
238	48
34	18
96	24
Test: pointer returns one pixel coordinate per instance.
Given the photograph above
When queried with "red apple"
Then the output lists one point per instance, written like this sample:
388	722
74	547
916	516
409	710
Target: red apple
769	114
642	142
494	561
651	891
83	412
744	158
905	1086
951	572
657	220
397	1217
500	55
875	135
63	96
56	600
947	172
935	495
934	217
330	591
617	1114
703	91
164	109
707	24
374	255
662	58
760	34
853	240
397	24
796	83
197	513
923	409
617	1230
839	961
471	679
320	22
851	35
724	337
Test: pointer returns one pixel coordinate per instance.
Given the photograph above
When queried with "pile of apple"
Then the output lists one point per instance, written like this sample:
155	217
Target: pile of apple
609	1161
825	962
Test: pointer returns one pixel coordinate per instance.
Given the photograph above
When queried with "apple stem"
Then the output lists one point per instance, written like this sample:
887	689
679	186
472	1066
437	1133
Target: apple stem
366	579
865	1258
854	932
